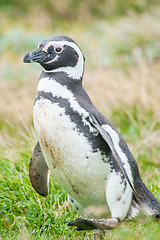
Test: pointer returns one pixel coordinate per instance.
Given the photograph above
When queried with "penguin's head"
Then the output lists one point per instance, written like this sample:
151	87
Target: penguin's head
150	207
58	54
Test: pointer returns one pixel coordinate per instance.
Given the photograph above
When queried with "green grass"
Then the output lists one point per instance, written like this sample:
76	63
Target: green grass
22	211
26	215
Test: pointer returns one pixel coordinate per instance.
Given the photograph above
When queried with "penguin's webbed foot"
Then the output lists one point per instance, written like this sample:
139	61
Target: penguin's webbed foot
82	224
91	224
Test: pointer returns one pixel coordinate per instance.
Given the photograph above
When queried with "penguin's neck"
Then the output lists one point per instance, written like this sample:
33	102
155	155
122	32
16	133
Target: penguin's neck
58	84
62	78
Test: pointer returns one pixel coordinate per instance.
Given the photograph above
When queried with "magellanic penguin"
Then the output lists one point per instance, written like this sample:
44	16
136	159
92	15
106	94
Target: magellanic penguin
88	157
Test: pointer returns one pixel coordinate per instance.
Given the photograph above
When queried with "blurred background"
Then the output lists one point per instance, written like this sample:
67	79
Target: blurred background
121	43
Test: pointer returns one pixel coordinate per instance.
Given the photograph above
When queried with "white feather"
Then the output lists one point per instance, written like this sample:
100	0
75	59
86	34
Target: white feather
57	90
116	141
118	200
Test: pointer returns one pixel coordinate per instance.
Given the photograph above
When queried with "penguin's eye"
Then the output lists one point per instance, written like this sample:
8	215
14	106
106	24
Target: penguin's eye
58	49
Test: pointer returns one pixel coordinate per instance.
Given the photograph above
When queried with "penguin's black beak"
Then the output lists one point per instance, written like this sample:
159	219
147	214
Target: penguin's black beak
35	56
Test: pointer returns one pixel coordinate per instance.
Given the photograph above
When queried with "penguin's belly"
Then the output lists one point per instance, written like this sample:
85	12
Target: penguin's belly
76	167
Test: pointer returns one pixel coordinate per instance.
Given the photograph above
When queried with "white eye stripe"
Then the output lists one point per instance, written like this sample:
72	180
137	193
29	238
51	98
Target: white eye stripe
53	60
53	44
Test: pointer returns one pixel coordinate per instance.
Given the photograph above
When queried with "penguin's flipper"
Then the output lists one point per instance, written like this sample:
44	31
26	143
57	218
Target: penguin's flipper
39	171
110	141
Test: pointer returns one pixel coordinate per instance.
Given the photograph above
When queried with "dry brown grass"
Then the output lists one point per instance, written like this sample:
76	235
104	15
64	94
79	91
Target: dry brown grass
17	101
108	89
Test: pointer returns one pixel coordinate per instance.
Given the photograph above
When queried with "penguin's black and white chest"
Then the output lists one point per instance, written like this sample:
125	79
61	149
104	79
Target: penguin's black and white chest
60	123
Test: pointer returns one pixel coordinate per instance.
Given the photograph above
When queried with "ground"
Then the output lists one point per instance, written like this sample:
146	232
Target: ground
122	78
